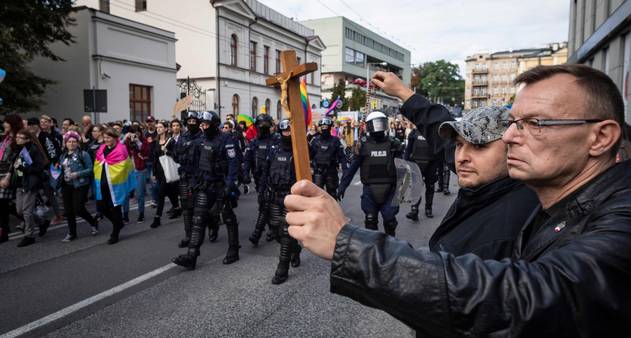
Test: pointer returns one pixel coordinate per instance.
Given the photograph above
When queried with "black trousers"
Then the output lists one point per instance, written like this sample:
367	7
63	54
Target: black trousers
169	190
113	213
7	209
430	171
74	205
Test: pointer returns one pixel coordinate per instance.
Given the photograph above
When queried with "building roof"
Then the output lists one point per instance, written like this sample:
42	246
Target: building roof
275	17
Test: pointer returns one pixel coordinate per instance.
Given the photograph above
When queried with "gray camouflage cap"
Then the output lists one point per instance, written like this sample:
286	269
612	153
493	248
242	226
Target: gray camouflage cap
479	126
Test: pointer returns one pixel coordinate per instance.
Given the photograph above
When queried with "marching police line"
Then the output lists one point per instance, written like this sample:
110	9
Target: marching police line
211	171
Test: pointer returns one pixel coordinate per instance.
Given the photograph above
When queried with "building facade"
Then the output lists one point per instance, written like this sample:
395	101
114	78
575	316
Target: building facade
489	76
133	62
599	37
353	52
227	48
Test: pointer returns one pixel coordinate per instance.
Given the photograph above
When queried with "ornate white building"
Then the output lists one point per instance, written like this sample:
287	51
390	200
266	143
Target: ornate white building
227	48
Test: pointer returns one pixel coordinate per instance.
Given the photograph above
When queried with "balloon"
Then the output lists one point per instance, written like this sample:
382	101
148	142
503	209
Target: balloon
2	74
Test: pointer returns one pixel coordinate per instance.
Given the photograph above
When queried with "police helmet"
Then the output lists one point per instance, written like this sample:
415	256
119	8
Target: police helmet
284	125
263	120
192	115
211	118
325	121
377	122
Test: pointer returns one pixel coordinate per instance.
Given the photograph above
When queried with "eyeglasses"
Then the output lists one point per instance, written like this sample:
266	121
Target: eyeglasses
534	125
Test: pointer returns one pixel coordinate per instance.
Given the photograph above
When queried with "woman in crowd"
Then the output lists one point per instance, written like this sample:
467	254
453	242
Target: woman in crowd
96	140
29	169
76	167
114	180
164	145
11	125
139	150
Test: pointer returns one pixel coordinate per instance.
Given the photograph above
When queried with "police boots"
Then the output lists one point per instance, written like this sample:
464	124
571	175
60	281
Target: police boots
371	222
428	210
213	233
233	244
282	271
295	255
413	214
390	226
258	229
188	260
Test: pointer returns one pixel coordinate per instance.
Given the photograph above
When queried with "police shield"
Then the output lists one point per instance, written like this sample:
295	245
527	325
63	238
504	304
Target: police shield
409	182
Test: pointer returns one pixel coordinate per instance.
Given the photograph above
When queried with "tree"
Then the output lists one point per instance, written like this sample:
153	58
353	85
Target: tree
340	90
27	28
358	99
439	81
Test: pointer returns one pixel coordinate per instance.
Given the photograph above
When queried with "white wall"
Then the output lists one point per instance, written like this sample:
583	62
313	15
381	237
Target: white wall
192	21
110	54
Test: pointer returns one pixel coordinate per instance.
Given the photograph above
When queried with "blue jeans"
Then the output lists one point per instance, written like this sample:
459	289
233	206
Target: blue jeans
141	187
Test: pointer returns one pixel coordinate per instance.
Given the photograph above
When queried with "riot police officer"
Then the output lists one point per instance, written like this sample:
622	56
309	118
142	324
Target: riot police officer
378	174
327	153
280	175
185	155
419	151
255	157
215	190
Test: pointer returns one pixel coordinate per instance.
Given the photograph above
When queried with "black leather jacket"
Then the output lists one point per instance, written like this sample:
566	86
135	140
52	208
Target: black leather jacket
486	220
575	282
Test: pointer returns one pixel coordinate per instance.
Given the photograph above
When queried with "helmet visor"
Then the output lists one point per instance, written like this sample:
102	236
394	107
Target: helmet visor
379	125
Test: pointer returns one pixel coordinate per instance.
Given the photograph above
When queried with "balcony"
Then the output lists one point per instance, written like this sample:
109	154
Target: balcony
480	71
479	83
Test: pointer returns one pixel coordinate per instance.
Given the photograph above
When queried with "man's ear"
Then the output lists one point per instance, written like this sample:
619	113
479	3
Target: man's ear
604	136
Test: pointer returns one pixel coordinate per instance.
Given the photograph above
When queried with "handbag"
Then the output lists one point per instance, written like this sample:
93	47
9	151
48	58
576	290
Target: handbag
169	166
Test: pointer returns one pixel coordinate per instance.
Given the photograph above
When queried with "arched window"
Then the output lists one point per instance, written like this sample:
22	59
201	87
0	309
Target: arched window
255	106
235	104
233	50
268	106
279	111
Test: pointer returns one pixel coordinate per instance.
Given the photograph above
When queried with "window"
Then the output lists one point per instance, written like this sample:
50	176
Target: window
268	106
235	104
359	58
277	61
139	102
266	60
141	5
104	6
233	50
349	55
253	56
299	60
255	106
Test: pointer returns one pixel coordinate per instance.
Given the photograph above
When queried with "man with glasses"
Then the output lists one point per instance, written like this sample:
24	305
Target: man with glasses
570	273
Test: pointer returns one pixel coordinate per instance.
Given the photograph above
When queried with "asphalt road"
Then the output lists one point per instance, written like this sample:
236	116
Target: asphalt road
89	288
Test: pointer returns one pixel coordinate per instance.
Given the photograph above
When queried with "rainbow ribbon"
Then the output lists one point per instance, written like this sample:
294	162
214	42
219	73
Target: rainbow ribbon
306	107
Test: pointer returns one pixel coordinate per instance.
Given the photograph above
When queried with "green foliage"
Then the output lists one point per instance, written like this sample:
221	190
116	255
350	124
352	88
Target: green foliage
439	81
340	90
27	29
358	99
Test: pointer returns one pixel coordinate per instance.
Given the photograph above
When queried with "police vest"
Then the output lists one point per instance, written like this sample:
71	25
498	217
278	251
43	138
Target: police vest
281	171
378	162
325	152
421	150
212	161
261	149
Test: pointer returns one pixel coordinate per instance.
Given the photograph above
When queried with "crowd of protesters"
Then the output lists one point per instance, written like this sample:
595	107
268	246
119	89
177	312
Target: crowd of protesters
43	164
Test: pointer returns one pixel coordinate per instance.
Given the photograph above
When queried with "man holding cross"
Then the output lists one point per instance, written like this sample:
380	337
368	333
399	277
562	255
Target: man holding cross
570	273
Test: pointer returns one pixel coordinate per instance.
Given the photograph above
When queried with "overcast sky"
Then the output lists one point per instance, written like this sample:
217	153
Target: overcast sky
446	29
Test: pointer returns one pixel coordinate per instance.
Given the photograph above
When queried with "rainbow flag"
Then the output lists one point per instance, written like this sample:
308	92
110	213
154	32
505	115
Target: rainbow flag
121	177
305	102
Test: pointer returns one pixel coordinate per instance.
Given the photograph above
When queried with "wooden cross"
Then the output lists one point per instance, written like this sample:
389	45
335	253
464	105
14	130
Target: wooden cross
289	82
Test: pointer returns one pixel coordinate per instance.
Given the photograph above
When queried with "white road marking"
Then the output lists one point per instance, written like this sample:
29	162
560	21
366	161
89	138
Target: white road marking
86	302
